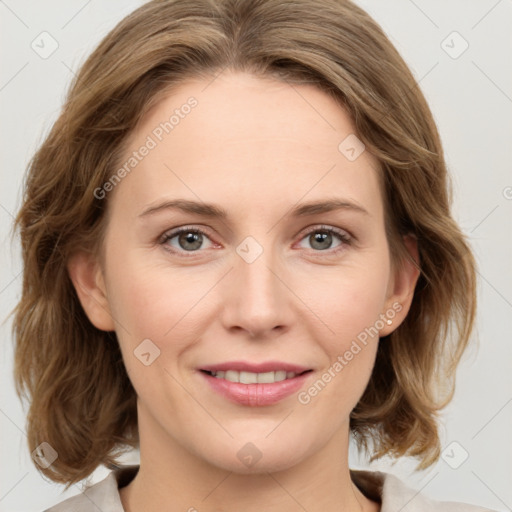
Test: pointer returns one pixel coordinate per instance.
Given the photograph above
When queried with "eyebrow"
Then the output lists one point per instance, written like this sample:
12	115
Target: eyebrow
214	211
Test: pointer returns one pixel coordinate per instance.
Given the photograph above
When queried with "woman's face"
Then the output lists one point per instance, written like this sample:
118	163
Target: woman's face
265	291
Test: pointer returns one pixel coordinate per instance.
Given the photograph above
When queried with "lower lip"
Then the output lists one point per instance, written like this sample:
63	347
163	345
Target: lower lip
256	394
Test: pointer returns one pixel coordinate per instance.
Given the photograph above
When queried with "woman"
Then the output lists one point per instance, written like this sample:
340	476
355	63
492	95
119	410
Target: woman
238	252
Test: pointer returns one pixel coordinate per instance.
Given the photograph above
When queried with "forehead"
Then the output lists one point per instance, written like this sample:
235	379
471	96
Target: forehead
249	141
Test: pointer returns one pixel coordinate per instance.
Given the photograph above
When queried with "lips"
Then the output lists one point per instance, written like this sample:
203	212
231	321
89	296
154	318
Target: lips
255	384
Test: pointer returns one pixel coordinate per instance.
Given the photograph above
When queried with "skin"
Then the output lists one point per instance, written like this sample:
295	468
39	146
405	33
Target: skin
257	148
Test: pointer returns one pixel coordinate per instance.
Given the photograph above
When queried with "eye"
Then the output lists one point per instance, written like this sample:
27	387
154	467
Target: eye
321	238
187	239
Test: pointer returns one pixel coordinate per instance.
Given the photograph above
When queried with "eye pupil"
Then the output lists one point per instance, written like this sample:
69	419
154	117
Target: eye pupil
321	237
190	237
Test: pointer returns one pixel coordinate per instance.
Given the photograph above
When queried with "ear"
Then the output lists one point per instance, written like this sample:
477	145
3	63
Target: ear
401	287
87	278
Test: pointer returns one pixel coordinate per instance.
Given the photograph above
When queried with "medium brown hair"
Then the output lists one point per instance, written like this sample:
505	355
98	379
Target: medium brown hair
81	400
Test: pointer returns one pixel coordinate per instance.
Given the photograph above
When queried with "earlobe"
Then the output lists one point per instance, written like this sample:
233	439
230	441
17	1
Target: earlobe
403	284
87	278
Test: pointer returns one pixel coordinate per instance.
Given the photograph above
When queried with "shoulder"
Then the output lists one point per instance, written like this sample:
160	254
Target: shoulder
103	495
395	495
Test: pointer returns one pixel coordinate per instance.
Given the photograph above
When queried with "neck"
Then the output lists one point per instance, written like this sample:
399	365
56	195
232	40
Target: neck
174	479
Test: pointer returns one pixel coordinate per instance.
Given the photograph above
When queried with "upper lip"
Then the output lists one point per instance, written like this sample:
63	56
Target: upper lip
267	366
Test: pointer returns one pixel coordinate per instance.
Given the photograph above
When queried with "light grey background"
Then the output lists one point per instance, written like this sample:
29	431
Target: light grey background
471	98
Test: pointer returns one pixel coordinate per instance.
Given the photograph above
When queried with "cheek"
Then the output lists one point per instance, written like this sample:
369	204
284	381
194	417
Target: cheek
349	300
157	303
351	311
164	310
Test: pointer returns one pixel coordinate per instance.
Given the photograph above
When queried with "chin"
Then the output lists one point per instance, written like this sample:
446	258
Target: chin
261	456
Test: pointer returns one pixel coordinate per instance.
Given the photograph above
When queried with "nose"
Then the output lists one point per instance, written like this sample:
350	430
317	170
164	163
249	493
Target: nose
257	300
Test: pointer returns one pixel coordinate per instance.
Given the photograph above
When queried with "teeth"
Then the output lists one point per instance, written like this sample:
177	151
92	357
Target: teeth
266	378
232	376
248	378
280	375
253	378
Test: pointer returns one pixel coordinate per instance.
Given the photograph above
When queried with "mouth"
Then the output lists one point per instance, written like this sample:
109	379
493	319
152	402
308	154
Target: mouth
244	377
255	384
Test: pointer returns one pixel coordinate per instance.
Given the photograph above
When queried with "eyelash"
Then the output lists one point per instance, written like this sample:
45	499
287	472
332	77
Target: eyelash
344	237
